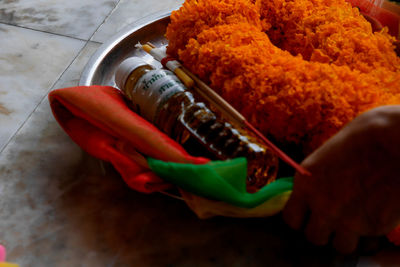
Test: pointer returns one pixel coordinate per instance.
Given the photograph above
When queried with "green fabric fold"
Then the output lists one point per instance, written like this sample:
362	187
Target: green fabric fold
219	180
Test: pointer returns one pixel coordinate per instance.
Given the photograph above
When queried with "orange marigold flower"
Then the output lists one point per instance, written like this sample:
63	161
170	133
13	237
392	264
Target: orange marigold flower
292	98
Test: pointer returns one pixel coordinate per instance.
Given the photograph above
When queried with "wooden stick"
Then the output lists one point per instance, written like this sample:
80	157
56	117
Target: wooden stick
279	152
172	65
239	117
216	98
151	45
225	108
225	114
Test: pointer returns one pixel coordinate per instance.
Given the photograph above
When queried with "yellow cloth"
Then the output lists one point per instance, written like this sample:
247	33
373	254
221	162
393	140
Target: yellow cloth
206	208
7	264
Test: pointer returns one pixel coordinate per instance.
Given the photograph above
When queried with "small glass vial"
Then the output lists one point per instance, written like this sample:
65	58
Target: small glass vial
161	98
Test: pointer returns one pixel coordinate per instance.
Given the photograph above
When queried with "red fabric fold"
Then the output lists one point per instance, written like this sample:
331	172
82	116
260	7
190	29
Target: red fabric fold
384	16
100	122
394	236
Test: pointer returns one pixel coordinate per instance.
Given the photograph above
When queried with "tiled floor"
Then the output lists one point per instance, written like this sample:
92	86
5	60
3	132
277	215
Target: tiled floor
59	207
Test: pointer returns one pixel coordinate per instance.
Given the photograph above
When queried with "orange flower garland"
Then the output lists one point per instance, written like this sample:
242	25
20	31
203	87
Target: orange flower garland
285	96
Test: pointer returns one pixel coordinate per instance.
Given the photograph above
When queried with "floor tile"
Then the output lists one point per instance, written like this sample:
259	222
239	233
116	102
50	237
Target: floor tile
128	11
36	168
75	18
30	63
60	209
72	75
39	164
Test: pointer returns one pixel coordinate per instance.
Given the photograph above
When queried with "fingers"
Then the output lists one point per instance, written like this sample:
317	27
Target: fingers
295	211
345	241
318	230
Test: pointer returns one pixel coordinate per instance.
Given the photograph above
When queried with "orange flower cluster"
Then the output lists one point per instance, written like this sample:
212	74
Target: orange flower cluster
328	31
293	99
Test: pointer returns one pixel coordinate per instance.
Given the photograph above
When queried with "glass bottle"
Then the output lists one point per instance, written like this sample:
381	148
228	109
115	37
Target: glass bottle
161	98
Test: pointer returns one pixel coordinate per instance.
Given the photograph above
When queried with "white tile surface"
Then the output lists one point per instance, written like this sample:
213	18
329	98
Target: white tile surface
128	11
30	63
72	75
76	18
30	168
37	167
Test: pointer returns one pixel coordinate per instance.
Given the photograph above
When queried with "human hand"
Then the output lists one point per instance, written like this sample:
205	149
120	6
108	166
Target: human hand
354	189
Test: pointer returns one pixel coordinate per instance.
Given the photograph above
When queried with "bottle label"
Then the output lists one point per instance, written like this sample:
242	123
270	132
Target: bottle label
153	90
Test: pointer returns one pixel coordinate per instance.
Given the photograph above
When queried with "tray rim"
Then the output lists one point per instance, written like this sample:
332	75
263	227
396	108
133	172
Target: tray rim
101	53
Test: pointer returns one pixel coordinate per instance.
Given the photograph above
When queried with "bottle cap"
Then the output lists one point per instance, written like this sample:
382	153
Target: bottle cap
125	69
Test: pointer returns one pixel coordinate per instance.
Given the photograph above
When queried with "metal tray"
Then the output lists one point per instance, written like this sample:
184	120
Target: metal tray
101	67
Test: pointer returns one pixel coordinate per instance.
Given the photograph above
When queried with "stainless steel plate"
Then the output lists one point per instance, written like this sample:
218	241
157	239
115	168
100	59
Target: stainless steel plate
102	65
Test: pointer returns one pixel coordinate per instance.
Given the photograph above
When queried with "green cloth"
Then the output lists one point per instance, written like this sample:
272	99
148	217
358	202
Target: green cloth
219	180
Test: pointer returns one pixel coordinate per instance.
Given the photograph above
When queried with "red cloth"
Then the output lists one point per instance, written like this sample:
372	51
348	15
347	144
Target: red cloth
100	122
394	236
384	16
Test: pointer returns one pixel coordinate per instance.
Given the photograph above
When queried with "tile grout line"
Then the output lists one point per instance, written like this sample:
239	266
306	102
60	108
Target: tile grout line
52	33
59	77
104	20
42	99
80	51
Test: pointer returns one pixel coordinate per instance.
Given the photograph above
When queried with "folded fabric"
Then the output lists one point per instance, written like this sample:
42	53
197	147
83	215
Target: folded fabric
99	121
220	180
207	208
2	253
8	264
386	17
